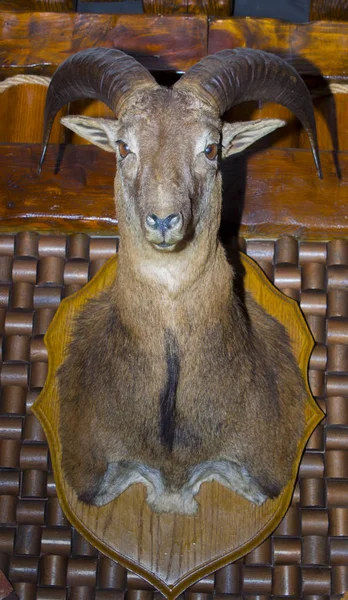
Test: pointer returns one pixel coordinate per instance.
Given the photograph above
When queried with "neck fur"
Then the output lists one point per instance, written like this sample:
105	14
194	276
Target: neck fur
164	292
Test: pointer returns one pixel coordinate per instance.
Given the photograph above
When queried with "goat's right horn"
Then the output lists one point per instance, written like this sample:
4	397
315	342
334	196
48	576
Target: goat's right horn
105	74
230	77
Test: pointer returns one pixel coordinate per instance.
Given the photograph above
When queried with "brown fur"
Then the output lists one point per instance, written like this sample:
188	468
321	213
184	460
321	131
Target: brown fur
172	321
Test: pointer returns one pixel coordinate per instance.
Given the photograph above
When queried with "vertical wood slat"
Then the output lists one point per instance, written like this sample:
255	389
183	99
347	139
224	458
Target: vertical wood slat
218	8
21	115
329	10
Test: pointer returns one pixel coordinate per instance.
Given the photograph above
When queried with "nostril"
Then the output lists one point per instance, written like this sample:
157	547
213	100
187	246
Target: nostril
152	221
173	220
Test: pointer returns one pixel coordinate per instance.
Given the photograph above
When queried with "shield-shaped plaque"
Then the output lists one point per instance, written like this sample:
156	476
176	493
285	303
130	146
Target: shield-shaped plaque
173	551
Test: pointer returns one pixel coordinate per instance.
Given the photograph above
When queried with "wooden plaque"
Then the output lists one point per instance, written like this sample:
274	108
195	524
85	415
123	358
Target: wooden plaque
173	551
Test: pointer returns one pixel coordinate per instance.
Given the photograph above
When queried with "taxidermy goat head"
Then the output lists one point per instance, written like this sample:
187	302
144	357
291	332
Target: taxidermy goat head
169	380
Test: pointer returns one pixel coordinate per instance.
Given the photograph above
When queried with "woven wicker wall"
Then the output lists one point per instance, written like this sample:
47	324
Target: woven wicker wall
44	558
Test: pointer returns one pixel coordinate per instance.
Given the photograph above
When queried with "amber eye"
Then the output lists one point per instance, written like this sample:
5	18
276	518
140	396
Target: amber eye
123	149
211	151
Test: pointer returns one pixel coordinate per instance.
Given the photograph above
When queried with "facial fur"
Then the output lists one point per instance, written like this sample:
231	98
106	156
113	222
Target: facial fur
166	171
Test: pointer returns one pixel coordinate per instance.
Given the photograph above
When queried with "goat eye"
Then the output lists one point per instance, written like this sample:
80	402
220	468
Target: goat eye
123	149
211	151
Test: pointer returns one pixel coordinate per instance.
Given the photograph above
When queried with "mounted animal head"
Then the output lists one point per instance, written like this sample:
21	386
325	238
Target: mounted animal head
169	141
168	383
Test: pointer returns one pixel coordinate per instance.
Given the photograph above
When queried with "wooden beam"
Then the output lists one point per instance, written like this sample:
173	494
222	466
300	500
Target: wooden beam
79	197
219	8
276	191
34	42
37	5
312	48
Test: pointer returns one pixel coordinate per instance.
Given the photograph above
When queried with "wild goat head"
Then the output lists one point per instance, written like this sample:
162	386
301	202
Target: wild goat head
168	141
170	377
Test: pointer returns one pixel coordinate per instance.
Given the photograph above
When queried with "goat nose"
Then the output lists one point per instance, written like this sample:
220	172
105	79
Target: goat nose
173	221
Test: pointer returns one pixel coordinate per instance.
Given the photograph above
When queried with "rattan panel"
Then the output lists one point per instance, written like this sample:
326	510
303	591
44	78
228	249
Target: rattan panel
42	555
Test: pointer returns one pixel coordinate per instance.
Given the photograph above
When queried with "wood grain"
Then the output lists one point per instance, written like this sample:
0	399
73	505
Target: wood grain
221	8
37	5
173	551
300	44
277	191
33	42
72	199
22	107
329	10
218	8
21	115
39	42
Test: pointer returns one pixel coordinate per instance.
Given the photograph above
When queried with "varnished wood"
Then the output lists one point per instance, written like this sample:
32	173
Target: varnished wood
330	116
282	192
173	551
329	10
84	174
312	48
22	107
219	8
37	5
167	42
159	42
21	115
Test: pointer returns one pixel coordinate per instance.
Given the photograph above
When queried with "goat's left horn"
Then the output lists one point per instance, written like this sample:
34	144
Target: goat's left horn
105	74
234	76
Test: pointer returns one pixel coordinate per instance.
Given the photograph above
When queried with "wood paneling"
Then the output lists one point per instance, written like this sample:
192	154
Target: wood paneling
219	8
330	115
37	5
329	10
277	191
79	197
21	115
312	48
40	42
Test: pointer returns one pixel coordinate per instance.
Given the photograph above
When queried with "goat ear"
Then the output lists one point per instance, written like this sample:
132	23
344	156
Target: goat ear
236	137
100	132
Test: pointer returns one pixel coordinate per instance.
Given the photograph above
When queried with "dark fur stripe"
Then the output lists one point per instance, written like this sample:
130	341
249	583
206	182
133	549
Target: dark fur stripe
168	394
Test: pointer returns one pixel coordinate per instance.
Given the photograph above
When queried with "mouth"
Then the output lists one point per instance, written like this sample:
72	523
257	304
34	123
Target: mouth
165	246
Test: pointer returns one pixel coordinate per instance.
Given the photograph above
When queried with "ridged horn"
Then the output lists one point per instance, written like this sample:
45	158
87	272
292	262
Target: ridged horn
105	74
230	77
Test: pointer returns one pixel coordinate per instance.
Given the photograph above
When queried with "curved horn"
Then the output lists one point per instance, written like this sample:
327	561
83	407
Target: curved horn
234	76
104	74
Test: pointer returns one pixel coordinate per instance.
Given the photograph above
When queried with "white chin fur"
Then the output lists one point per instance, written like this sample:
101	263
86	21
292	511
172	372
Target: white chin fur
168	248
